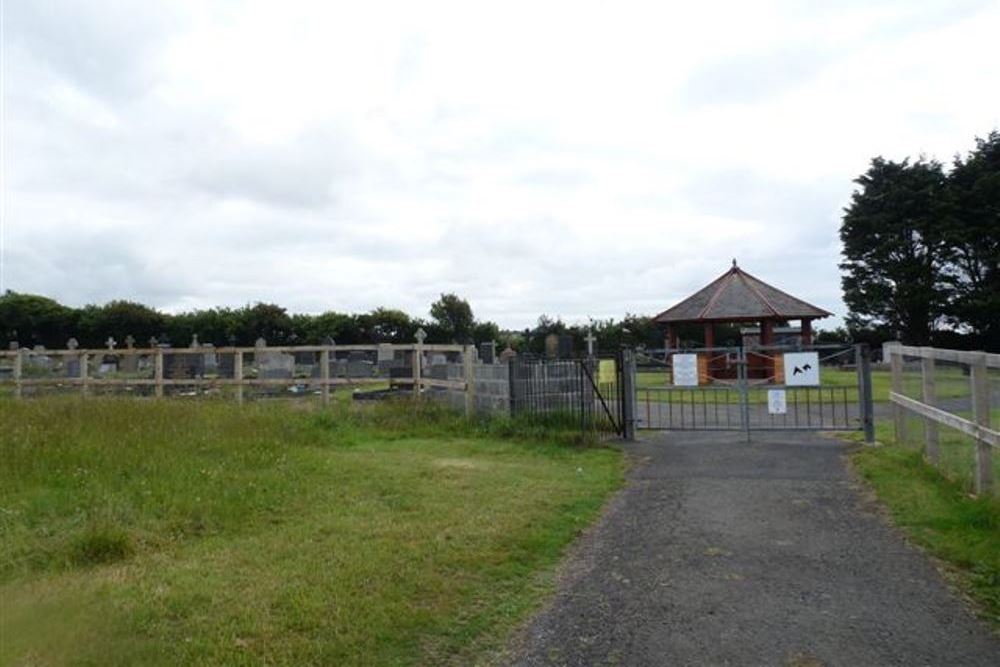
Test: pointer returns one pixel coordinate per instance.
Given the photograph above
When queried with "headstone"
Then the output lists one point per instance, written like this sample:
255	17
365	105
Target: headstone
507	354
338	368
111	342
385	352
328	342
210	360
357	355
226	365
420	336
565	346
438	359
359	368
275	365
130	363
488	352
153	343
591	340
72	344
39	359
13	346
552	345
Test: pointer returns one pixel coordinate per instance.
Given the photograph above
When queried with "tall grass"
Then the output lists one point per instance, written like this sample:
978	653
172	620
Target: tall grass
172	532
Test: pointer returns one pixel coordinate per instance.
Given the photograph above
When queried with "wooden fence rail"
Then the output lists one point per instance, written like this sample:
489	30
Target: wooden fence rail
84	380
979	427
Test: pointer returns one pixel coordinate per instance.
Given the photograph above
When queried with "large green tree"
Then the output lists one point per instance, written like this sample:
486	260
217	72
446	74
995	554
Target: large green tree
453	318
29	319
894	248
973	237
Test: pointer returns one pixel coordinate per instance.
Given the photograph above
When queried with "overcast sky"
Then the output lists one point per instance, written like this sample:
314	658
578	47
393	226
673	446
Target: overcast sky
576	159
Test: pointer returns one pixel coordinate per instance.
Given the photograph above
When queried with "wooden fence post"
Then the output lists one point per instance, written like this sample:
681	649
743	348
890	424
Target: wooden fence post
898	414
158	372
930	398
18	364
84	373
469	368
238	375
981	415
324	374
418	358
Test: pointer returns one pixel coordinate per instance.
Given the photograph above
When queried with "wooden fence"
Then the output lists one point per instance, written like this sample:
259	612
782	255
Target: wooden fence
979	427
14	363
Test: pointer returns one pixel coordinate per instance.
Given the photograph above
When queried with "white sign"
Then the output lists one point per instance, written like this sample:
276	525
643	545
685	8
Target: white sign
802	369
776	404
685	370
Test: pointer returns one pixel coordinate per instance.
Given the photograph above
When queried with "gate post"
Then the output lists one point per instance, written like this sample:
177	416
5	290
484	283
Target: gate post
866	402
628	394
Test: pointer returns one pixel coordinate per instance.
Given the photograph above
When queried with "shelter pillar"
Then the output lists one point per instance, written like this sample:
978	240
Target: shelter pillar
709	334
671	337
807	331
767	332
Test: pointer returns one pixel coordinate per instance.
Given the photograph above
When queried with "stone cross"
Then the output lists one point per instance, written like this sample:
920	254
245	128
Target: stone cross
72	344
129	341
590	342
421	336
111	342
153	342
194	341
260	342
329	342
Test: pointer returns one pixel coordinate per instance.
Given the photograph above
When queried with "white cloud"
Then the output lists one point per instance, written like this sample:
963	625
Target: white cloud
577	159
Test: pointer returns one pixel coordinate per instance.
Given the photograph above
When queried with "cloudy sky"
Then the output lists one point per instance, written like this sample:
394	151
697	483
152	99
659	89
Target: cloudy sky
578	159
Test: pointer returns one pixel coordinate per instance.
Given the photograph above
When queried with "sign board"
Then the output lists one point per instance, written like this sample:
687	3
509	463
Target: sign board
607	372
802	369
776	401
685	370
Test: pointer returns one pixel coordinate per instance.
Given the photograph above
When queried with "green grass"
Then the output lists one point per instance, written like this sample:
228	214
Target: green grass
938	513
199	532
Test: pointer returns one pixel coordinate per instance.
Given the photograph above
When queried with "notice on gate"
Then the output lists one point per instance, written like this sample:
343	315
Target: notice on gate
685	370
802	369
776	404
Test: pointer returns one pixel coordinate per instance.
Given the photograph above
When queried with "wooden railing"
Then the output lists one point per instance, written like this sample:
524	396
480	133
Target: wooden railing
979	427
15	360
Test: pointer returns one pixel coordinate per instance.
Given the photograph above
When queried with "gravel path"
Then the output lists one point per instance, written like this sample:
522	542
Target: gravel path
721	552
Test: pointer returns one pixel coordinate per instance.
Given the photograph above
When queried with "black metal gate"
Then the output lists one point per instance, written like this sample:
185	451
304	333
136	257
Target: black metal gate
585	392
755	389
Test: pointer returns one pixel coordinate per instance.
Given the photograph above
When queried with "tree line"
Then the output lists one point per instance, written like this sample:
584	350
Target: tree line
921	249
31	319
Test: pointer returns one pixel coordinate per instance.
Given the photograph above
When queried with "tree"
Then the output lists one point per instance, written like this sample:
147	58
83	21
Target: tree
894	249
30	319
973	238
262	320
119	319
453	317
385	325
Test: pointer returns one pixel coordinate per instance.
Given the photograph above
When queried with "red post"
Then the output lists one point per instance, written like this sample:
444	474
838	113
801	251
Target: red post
766	332
709	335
807	332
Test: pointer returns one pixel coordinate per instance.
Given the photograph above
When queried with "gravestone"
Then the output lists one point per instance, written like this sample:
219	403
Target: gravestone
13	346
565	346
591	340
209	360
275	365
552	345
39	359
72	361
338	368
130	363
359	368
507	354
226	365
488	352
385	352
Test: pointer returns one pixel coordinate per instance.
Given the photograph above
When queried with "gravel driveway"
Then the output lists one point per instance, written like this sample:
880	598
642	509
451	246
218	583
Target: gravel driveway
721	552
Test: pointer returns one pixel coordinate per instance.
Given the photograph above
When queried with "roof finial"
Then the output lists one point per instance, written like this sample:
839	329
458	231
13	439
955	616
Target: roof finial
734	262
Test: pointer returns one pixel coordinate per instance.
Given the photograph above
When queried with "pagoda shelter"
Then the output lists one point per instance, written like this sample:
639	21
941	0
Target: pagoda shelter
736	297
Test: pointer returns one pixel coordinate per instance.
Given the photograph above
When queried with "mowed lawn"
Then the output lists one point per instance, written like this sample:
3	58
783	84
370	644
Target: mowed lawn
173	532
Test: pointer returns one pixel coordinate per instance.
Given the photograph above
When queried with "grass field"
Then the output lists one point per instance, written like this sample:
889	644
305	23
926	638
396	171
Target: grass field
175	532
934	506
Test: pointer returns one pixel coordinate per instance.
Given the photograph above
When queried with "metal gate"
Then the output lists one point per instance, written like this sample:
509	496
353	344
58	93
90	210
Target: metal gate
818	387
588	391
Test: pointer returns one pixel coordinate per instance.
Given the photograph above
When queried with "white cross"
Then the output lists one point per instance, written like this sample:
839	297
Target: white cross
111	342
590	342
